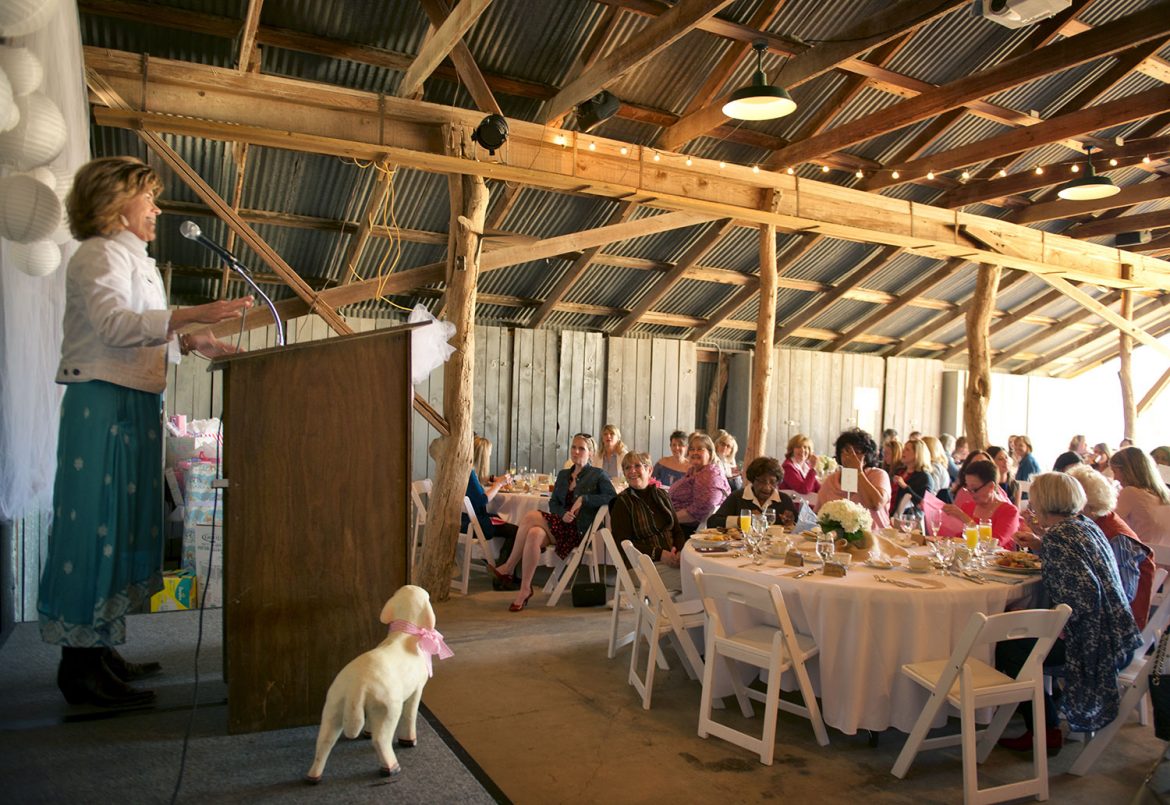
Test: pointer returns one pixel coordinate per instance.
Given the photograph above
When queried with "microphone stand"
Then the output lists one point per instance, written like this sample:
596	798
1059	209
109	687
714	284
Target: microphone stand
235	265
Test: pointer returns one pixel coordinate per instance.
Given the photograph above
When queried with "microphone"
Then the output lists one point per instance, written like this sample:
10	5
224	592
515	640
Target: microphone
191	231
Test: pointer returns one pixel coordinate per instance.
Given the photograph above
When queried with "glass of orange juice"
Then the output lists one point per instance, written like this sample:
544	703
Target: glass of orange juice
971	535
985	529
745	520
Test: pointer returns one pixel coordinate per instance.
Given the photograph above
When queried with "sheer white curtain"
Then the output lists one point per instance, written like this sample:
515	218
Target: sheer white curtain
31	307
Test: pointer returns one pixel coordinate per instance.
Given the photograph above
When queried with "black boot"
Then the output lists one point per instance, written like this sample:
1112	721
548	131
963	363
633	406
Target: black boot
128	671
84	678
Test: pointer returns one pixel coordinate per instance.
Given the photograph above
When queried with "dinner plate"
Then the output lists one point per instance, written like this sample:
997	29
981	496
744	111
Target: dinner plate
1023	571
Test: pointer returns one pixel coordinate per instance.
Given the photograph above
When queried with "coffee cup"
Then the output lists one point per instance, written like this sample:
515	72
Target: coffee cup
919	562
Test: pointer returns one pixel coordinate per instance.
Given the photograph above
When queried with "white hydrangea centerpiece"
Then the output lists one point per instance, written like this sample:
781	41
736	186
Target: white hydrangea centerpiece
825	465
848	519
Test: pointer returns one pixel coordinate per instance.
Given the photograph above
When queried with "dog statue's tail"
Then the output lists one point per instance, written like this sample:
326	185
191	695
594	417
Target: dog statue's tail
354	717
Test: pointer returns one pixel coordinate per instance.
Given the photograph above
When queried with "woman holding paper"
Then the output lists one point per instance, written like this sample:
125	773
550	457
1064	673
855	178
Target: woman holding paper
859	477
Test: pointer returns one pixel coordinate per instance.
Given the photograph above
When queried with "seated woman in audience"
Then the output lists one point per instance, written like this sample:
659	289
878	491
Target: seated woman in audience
1135	560
959	454
1144	500
958	490
481	459
1066	460
1079	445
609	457
1099	459
670	468
725	449
948	446
981	503
1161	456
761	492
1005	479
855	449
915	479
643	514
579	492
698	493
800	472
940	465
892	456
1026	464
1100	636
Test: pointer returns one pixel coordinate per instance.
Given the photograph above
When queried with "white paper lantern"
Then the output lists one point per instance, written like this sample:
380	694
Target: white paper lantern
23	69
44	175
36	259
39	136
64	182
21	17
29	210
9	114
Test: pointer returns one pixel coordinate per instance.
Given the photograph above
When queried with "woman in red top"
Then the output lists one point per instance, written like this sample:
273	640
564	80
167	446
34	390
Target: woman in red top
800	474
984	504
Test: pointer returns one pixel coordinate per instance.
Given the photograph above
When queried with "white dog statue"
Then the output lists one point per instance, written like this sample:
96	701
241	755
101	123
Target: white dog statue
384	686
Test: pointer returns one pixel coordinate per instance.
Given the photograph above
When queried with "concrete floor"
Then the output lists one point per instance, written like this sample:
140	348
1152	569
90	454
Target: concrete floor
535	701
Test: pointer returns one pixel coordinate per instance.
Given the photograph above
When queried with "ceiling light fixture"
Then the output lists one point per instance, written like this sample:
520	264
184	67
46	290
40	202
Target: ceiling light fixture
759	100
896	175
491	133
598	109
1089	186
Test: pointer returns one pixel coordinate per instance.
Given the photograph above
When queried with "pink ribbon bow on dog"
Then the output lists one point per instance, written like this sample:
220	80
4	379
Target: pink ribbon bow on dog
430	642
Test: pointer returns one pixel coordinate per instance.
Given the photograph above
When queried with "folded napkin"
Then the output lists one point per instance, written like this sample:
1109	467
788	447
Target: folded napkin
871	545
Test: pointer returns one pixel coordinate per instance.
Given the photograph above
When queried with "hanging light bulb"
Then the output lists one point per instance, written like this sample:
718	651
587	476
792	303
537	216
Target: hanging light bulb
896	175
930	175
860	174
689	162
791	171
1075	169
824	168
1002	173
1039	171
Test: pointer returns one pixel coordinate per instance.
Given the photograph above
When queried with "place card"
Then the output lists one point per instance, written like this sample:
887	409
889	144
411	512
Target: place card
848	479
794	558
834	570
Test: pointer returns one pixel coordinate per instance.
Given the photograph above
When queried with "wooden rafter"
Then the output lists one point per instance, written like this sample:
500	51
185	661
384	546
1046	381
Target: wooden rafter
870	32
706	242
872	264
948	318
932	279
578	268
248	35
1124	223
674	24
435	49
374	204
437	12
1146	316
1014	317
1105	40
1134	194
1047	332
1094	118
240	160
1156	389
1092	305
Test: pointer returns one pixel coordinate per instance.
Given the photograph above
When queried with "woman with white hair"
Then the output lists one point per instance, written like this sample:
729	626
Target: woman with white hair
1135	559
1144	500
1101	635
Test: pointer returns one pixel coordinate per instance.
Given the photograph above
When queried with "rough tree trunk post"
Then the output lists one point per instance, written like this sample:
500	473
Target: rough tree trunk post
469	202
717	386
762	363
1125	373
979	357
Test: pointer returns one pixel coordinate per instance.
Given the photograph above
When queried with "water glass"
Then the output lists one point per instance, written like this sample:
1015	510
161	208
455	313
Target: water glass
986	550
826	546
770	516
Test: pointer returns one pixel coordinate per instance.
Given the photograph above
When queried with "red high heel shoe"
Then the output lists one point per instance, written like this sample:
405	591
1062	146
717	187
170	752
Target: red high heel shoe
514	607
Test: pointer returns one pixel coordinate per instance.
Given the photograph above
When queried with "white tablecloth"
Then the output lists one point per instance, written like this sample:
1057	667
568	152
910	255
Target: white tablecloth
512	506
866	632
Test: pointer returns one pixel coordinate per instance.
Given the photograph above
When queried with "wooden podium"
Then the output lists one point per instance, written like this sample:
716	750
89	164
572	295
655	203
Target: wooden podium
317	441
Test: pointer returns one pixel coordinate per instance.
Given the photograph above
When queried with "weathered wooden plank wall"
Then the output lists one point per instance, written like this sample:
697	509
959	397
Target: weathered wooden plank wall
536	377
650	391
913	396
581	389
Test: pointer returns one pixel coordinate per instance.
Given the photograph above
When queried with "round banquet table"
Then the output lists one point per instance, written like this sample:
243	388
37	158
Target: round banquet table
512	506
866	631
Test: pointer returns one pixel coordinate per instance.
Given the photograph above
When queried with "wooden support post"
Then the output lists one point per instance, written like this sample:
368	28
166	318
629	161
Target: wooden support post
716	394
979	357
469	202
762	363
1125	372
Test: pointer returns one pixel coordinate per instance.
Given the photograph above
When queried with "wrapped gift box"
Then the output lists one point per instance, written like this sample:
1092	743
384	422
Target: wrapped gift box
203	556
178	592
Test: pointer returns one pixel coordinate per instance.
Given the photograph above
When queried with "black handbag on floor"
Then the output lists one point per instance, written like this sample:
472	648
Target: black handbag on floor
588	593
1160	690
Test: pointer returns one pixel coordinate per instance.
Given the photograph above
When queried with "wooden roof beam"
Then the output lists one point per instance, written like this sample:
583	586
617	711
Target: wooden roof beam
1093	306
914	339
1155	390
248	35
1134	194
444	40
1146	316
932	279
437	12
1105	40
889	23
673	25
706	242
1019	314
1125	223
1047	332
374	204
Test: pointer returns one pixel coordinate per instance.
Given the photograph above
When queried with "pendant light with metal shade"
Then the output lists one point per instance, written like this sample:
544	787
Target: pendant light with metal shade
1088	187
759	100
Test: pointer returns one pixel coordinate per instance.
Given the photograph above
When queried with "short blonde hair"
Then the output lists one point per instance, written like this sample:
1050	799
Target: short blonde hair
727	440
703	441
921	455
1056	493
799	440
937	454
101	189
633	457
481	456
1099	493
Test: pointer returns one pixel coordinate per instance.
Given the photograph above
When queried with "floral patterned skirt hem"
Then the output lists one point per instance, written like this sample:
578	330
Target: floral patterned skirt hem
565	536
108	627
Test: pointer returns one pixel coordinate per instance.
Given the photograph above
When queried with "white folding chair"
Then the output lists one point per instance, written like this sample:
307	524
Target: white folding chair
659	616
1161	555
625	593
470	541
1020	501
1134	681
564	569
775	649
969	684
420	496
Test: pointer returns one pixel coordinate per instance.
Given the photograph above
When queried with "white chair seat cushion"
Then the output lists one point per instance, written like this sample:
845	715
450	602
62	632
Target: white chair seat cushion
982	675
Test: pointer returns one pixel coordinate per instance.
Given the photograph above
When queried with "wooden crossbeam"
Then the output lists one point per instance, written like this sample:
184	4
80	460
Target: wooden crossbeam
932	279
435	49
248	34
1104	40
1093	306
1047	332
437	12
868	33
948	318
1019	314
374	205
873	263
1124	223
656	36
706	242
1146	316
1156	389
578	268
1134	194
